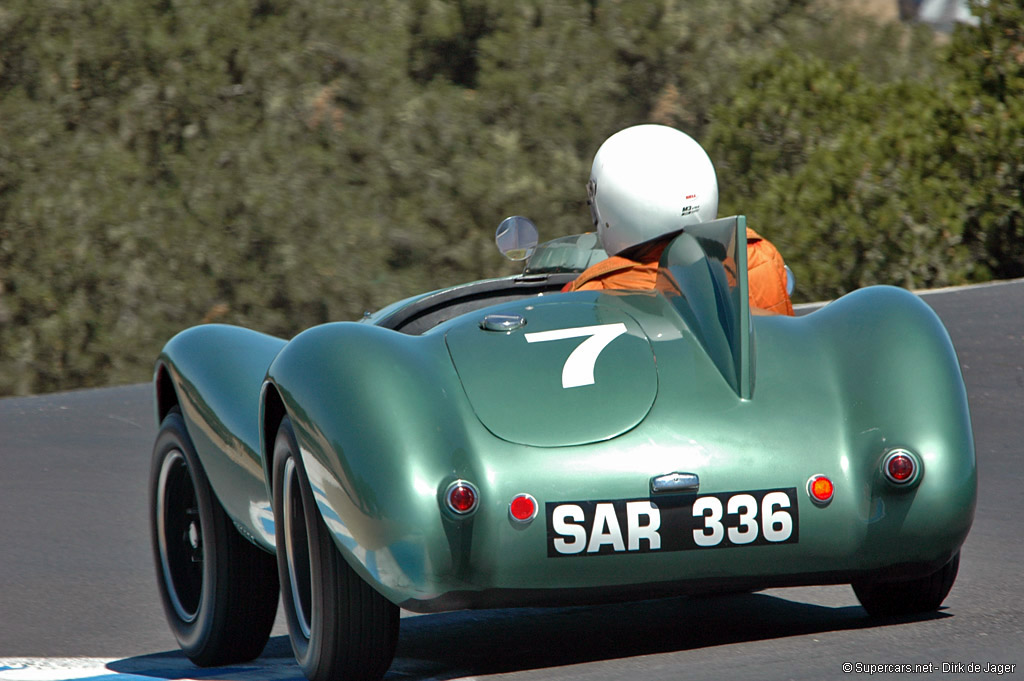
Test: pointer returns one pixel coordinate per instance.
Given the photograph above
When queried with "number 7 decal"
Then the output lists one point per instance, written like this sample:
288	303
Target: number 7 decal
579	367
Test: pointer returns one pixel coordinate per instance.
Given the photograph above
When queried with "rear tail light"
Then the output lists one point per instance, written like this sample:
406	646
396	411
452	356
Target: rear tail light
461	497
820	489
523	508
900	467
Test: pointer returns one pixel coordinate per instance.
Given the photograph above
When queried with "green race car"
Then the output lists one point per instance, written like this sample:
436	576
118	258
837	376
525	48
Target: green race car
502	443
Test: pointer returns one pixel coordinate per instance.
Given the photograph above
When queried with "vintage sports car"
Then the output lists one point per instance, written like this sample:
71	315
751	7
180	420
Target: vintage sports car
502	443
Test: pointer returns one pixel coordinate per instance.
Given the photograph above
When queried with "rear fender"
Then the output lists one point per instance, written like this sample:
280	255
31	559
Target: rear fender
381	421
900	385
213	373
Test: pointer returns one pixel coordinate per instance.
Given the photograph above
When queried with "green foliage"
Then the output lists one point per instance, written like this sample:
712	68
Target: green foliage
850	177
905	172
165	163
988	64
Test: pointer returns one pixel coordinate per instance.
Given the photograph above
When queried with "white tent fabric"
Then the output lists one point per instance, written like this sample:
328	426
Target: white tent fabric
943	14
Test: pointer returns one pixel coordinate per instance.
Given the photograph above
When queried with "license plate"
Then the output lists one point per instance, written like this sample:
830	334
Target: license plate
678	522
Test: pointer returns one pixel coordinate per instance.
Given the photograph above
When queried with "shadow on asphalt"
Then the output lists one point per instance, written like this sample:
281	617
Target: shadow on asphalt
476	643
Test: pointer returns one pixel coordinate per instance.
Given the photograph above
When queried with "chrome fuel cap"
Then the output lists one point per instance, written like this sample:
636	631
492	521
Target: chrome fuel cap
502	322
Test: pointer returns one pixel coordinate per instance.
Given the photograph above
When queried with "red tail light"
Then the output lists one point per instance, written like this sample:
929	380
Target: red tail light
523	508
900	466
461	497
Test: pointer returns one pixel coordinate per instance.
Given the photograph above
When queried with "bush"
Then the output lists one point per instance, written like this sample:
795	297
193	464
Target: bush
278	165
850	177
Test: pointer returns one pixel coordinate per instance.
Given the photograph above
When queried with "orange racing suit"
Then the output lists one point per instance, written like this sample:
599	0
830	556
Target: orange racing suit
765	267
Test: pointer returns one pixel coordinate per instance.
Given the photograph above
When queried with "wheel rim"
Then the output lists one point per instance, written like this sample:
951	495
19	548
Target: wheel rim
180	536
296	546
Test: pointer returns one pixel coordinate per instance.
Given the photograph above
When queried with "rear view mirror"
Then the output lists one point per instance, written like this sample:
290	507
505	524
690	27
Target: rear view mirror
516	237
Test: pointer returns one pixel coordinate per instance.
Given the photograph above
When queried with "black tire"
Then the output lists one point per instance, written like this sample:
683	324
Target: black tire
910	596
218	590
340	628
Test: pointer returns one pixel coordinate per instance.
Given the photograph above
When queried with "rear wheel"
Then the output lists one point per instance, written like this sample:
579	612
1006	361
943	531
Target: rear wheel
910	596
340	627
219	591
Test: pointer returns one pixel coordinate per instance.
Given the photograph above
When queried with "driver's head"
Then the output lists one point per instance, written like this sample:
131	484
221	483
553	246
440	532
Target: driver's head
647	181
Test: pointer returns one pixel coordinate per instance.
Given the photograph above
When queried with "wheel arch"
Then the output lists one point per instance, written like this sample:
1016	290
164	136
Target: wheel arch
166	395
271	414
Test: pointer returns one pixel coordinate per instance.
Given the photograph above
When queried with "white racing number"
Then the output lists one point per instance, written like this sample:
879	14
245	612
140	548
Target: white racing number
578	369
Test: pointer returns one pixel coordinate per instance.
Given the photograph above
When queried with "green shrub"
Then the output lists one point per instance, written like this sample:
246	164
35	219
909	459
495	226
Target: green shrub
282	164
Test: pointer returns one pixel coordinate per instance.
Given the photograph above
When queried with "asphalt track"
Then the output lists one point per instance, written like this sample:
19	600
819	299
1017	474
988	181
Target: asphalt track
76	579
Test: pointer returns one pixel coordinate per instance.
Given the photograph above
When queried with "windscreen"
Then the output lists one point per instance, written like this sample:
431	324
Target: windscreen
568	254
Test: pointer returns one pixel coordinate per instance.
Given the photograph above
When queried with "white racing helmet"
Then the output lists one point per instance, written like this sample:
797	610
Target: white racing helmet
649	180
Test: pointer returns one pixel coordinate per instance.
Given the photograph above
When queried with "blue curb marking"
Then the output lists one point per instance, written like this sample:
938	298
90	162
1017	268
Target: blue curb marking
173	667
249	672
105	669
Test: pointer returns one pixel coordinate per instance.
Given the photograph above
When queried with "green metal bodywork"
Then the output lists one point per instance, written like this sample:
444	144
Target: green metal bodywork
387	420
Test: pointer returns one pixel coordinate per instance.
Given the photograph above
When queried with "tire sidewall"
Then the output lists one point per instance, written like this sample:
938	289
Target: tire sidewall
192	636
311	653
908	597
